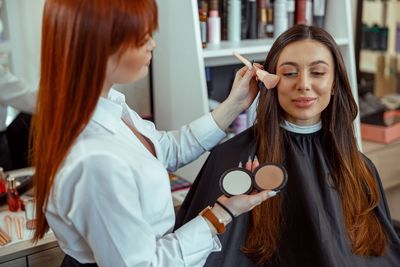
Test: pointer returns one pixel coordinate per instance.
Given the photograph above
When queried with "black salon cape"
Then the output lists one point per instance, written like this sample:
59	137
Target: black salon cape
314	233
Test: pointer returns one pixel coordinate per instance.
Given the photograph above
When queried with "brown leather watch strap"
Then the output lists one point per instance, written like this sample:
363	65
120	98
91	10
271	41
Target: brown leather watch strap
213	219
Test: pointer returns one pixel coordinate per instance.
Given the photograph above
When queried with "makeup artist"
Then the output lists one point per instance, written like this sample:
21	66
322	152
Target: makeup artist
101	171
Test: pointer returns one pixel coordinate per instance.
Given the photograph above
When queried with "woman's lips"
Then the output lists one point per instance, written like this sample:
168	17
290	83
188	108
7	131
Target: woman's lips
304	102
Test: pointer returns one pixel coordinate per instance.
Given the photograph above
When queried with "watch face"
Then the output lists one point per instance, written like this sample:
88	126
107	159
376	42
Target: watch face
236	181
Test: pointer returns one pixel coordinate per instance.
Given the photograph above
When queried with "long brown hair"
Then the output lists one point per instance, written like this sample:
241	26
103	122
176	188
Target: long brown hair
354	181
77	39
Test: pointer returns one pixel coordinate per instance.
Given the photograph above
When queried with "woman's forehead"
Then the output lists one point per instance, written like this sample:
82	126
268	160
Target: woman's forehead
305	52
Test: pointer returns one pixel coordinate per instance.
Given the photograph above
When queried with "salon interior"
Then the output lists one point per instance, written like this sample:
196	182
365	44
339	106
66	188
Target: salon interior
367	31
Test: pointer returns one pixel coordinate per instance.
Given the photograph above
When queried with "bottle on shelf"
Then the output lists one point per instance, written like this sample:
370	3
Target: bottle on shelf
262	23
234	20
252	19
319	9
280	17
270	19
304	12
2	181
12	195
214	23
203	27
290	8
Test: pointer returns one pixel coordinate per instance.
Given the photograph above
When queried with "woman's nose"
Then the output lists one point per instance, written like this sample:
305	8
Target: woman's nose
304	82
151	44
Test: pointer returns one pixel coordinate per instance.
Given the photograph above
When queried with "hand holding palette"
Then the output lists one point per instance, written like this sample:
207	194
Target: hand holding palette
238	181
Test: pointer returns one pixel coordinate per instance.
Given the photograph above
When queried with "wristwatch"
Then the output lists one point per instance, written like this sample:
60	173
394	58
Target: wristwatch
213	219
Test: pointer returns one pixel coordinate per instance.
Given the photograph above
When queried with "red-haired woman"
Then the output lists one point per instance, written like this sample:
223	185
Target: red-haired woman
101	181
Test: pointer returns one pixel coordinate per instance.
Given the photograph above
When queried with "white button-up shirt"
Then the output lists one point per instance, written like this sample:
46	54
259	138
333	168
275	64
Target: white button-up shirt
111	201
14	93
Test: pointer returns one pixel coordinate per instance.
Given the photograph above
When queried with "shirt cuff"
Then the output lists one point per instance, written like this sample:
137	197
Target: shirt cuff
206	131
196	241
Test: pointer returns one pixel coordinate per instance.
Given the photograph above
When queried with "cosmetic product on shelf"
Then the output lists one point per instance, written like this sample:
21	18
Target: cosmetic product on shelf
304	12
290	9
373	37
280	17
223	14
30	213
319	9
392	79
234	20
383	38
252	9
2	181
214	23
270	20
262	23
203	27
12	195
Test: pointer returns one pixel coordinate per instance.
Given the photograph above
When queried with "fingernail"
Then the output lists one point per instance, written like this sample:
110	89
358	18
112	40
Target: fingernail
271	194
249	159
255	158
240	164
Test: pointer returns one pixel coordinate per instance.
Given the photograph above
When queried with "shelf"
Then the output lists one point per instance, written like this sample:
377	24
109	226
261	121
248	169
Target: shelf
368	60
244	47
221	54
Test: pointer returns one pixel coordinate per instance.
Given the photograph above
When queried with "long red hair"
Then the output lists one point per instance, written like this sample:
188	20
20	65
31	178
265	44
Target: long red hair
354	181
77	39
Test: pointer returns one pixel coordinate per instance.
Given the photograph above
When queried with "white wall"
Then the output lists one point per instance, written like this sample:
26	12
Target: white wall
24	22
24	25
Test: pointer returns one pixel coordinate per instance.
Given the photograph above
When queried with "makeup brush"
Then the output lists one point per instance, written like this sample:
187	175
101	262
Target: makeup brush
4	238
243	59
269	80
8	223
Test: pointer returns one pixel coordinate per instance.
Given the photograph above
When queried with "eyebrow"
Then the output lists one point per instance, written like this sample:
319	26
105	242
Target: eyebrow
290	63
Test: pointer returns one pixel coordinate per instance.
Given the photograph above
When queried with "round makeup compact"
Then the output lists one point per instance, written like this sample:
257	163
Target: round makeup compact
270	176
238	181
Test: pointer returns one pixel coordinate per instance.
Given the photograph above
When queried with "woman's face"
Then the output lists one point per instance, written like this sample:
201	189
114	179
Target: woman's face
132	65
307	72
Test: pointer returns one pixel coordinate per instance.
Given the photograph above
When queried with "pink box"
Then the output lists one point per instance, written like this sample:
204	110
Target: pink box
382	134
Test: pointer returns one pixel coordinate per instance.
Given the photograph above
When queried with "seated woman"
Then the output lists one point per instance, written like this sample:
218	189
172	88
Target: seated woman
333	211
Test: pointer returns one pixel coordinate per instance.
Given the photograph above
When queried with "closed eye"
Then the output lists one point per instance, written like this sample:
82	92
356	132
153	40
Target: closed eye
317	73
290	74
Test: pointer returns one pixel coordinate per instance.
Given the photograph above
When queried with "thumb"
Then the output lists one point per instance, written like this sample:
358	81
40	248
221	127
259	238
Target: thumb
248	75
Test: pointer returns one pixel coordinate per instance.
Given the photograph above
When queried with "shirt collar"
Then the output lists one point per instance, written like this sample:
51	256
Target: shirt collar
108	111
307	129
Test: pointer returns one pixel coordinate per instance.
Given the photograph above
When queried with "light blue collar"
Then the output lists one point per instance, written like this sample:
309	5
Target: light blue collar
307	129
